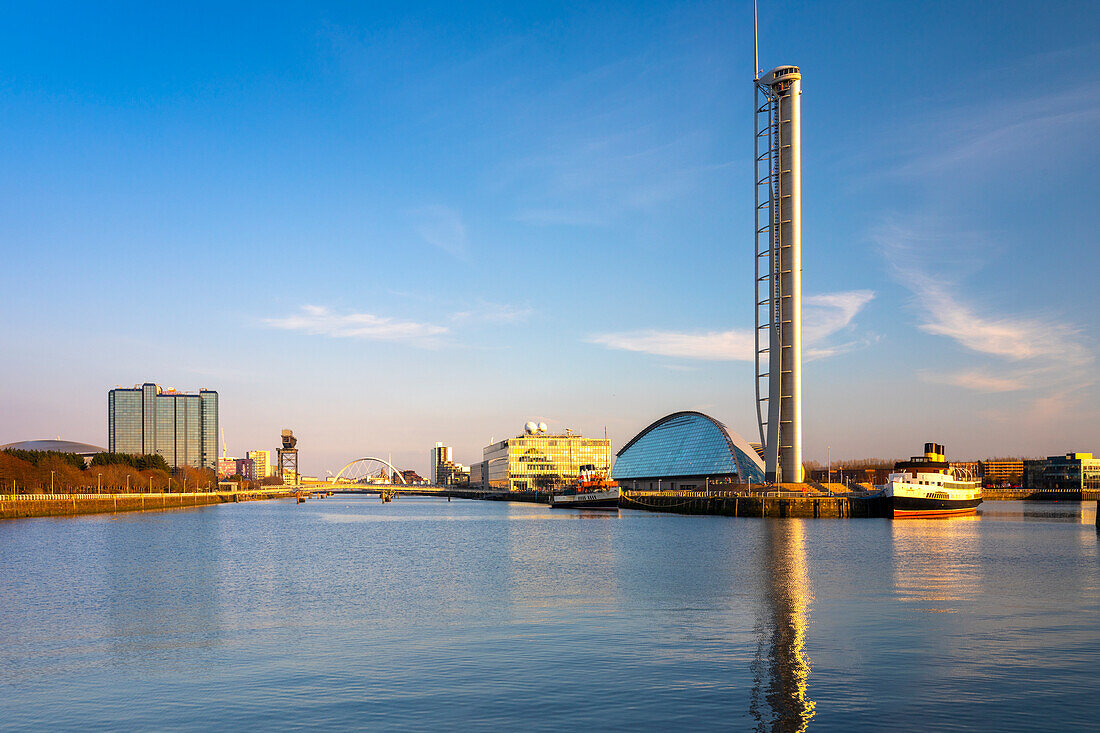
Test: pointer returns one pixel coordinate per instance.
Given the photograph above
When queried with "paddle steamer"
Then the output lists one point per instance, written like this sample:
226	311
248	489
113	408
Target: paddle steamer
925	486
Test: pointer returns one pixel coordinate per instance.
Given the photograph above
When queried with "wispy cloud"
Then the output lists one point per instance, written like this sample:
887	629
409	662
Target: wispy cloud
320	321
998	133
1044	355
485	312
442	227
732	345
824	316
978	381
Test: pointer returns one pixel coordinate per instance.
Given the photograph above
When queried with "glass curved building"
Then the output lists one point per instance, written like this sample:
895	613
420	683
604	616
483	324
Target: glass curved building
686	451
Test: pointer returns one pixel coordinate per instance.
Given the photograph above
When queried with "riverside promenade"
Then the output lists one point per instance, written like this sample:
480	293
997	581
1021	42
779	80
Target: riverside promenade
20	506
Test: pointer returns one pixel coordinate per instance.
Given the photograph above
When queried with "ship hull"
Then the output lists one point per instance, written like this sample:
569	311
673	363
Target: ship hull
608	499
911	506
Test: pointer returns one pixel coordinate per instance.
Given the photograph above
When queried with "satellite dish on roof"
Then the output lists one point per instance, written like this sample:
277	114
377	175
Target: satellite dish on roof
542	427
530	428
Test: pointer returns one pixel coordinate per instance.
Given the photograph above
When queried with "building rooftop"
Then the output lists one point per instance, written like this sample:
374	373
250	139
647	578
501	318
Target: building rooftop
59	446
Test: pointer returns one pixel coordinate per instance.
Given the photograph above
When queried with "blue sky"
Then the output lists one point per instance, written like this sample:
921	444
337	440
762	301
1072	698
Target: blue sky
384	225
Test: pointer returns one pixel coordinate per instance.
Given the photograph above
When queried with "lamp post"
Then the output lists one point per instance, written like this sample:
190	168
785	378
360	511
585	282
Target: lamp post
99	483
51	482
127	483
150	484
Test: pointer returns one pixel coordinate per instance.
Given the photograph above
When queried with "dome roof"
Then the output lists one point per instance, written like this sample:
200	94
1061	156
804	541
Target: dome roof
60	446
688	444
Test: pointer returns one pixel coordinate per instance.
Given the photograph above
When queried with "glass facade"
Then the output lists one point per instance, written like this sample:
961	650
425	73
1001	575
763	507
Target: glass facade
688	445
183	428
541	462
1073	471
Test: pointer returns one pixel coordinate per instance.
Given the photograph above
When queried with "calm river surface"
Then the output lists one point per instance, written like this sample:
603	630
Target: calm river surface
345	613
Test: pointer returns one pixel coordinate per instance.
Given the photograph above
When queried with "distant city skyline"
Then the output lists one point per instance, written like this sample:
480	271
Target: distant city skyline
389	226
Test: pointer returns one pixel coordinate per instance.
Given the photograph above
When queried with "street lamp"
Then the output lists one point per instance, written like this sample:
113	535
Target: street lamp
99	483
127	483
51	482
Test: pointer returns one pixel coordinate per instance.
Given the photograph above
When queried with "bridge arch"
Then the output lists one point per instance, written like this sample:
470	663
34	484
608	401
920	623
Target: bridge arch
383	461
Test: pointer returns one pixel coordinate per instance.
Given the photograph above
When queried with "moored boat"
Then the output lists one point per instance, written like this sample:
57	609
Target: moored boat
925	486
595	491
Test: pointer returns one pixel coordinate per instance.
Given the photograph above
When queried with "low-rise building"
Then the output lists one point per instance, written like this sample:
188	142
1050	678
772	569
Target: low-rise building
1073	471
538	460
1033	473
243	467
873	475
1001	473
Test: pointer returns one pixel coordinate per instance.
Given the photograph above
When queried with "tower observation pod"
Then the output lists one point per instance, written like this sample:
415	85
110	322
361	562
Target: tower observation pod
778	246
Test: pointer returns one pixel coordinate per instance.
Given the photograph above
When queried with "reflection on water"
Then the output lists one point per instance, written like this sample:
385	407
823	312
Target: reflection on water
548	573
166	548
482	616
781	669
936	561
1039	511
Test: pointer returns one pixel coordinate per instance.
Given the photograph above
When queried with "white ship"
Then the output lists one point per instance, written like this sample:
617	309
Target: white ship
925	486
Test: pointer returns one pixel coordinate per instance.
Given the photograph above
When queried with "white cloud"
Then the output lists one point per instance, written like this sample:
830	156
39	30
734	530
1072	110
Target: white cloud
823	316
1013	338
484	312
320	321
442	227
1050	356
732	345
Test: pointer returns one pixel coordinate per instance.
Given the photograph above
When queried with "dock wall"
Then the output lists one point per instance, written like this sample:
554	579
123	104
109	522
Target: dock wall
809	507
19	506
1040	495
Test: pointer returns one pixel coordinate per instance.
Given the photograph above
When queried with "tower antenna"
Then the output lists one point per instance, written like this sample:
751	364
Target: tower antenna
755	46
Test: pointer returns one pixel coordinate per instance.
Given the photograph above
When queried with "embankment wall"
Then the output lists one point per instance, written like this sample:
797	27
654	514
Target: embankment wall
19	506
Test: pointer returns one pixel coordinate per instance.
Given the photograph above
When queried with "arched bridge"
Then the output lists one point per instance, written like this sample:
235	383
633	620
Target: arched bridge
363	462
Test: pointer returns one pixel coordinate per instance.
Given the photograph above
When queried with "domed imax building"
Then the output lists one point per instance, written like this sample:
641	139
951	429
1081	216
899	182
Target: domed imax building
686	451
84	450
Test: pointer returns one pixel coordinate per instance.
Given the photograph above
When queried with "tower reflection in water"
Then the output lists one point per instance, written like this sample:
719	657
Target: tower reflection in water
781	670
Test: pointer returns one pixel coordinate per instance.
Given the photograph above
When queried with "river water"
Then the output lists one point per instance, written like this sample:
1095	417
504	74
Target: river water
345	613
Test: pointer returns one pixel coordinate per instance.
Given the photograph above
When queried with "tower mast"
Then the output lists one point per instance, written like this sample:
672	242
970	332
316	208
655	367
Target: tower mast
778	266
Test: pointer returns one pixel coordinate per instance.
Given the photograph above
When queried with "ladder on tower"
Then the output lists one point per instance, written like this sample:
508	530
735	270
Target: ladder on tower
765	238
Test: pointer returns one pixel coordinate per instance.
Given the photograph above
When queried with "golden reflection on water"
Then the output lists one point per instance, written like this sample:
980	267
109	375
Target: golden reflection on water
936	561
566	561
781	669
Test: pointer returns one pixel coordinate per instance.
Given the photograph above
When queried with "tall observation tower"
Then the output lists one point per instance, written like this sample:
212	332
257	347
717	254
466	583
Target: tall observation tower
779	270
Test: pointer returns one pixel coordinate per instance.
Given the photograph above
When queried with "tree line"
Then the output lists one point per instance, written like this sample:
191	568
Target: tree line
33	472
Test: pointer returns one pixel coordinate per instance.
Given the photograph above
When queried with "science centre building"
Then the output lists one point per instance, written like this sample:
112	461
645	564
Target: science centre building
686	451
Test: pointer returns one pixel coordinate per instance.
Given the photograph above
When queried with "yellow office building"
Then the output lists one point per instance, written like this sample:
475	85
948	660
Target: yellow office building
538	460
